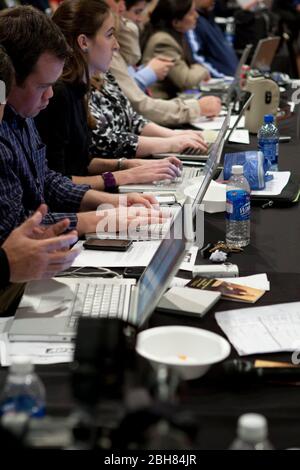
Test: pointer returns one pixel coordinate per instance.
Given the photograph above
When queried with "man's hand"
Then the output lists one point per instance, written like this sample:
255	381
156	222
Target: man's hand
161	66
121	219
146	171
210	106
33	255
136	199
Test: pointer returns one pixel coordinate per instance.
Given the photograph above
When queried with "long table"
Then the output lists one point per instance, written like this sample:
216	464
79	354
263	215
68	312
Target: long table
213	400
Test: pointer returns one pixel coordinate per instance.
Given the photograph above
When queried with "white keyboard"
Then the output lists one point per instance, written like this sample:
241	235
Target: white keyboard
99	300
144	232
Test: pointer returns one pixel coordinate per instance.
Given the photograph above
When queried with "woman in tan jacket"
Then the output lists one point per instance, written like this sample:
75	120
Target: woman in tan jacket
165	36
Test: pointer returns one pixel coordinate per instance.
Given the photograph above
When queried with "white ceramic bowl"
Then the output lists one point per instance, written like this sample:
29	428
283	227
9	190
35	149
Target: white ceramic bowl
188	351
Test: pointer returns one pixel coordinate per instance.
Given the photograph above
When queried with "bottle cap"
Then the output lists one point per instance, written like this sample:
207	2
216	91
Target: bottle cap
252	427
237	170
269	118
21	365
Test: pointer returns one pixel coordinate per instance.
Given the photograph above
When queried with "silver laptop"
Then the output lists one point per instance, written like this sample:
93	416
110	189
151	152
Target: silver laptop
188	173
196	155
49	310
264	54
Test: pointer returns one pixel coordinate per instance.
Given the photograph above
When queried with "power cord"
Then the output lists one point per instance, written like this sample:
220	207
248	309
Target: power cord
98	272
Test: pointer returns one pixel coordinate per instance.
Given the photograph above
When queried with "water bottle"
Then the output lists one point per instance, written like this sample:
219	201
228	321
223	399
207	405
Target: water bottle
23	390
230	31
237	209
252	433
268	142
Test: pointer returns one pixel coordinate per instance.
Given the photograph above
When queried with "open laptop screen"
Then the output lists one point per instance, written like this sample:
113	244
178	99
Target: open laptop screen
161	268
212	162
264	54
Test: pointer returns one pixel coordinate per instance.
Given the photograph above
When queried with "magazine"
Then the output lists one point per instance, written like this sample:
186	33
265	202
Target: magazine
228	290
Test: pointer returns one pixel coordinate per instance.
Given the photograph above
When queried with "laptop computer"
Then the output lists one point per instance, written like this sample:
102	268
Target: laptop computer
188	173
157	231
264	54
49	310
195	155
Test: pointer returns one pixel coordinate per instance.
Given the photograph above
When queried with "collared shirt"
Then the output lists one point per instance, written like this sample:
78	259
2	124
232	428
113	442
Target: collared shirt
144	76
26	181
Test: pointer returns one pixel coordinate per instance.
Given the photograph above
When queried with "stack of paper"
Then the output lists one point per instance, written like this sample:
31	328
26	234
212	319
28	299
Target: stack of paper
274	328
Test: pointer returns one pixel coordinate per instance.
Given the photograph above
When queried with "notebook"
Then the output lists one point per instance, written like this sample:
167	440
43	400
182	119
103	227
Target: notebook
49	310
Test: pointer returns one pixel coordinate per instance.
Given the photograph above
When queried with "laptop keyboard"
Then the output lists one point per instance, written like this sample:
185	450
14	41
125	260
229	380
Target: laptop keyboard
191	172
99	300
193	151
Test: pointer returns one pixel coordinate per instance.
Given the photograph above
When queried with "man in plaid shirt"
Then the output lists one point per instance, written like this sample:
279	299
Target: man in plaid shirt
38	51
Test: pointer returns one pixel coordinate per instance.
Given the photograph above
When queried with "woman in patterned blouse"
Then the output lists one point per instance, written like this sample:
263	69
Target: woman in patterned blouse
93	45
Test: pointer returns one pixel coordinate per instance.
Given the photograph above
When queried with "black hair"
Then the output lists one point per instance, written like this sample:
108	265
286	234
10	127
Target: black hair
162	17
166	11
130	3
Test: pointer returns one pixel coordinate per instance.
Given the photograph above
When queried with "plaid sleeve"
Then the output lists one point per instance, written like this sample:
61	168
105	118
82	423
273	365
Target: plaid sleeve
12	211
61	194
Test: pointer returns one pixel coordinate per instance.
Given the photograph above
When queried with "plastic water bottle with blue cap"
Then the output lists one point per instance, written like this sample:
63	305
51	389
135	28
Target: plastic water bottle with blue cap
268	142
237	209
23	390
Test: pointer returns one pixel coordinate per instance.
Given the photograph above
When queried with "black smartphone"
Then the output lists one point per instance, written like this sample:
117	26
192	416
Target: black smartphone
107	244
134	272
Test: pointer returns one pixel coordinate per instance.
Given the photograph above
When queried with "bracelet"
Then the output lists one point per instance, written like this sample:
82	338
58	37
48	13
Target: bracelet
110	184
121	163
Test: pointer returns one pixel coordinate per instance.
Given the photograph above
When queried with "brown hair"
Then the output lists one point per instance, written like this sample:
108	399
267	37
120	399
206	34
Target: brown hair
75	17
7	72
26	33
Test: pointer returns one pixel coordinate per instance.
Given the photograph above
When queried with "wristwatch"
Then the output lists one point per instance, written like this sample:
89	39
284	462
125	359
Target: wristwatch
110	184
121	164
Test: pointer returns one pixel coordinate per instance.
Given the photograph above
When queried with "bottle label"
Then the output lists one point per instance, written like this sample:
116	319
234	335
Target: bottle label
270	149
237	205
22	403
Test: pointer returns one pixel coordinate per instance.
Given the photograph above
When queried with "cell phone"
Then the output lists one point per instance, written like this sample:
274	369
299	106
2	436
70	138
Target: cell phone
133	272
107	245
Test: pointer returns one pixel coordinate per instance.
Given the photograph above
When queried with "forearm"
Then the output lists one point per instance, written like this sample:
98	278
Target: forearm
93	199
154	130
150	145
95	182
87	223
101	165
